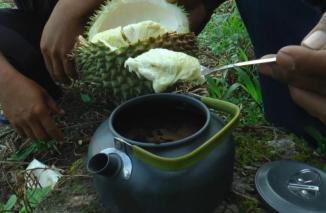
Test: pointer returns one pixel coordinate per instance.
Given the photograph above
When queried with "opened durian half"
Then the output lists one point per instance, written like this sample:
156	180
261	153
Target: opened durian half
124	29
120	13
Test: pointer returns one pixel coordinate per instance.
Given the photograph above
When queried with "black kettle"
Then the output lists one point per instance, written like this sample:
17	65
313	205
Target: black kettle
164	153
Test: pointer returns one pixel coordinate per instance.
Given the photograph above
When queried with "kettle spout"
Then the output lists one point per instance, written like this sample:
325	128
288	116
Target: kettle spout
104	164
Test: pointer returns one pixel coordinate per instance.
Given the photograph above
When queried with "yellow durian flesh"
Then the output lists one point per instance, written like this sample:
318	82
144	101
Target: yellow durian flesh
130	34
143	30
165	67
111	38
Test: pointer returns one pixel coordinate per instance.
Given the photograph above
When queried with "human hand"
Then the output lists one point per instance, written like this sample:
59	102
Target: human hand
303	68
29	108
58	39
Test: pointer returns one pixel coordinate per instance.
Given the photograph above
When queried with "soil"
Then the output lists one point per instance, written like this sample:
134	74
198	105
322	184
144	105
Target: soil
75	193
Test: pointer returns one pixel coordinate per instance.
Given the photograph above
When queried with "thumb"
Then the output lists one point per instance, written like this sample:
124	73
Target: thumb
267	69
316	39
302	62
54	107
303	68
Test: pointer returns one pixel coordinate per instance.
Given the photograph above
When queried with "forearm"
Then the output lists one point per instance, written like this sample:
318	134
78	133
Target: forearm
5	69
6	73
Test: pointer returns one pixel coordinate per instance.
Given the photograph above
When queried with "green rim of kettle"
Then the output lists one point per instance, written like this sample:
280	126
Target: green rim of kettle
185	161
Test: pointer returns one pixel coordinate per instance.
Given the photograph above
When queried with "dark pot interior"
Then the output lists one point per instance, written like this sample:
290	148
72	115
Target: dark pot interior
160	119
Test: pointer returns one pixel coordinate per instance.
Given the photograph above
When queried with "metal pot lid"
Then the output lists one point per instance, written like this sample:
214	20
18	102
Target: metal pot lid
290	186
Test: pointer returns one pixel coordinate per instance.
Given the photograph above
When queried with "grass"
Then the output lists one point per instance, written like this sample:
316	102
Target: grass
6	4
226	36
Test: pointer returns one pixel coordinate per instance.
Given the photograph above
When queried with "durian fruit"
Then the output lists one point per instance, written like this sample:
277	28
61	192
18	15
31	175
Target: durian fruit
124	29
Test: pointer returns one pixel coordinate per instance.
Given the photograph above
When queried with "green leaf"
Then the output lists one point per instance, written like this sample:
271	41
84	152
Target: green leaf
85	98
250	85
231	89
318	137
214	89
23	210
243	55
10	203
36	147
21	155
35	197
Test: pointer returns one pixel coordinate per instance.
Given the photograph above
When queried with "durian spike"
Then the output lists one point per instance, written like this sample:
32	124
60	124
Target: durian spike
82	40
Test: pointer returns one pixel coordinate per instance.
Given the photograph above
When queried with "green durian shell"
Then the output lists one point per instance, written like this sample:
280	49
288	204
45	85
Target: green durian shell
103	69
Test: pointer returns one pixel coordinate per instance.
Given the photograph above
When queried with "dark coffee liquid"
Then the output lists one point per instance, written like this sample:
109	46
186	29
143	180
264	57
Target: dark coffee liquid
161	126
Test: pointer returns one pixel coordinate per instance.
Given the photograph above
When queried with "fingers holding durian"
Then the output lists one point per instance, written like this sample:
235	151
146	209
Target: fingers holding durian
60	34
58	71
69	67
58	39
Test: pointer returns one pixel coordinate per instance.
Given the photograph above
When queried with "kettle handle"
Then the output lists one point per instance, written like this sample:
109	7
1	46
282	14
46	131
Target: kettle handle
185	161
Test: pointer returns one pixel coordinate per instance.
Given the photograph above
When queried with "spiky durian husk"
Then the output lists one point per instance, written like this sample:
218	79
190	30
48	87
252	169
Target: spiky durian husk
103	69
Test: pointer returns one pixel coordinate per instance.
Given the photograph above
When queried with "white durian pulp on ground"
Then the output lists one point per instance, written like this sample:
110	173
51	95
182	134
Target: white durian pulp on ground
130	34
120	13
165	68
